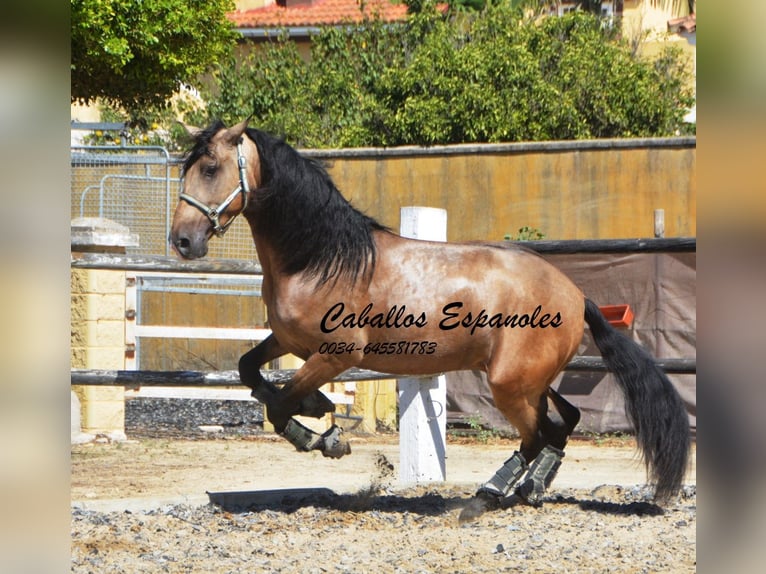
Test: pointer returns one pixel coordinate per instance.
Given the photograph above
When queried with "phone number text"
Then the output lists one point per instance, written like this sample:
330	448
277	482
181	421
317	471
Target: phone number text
385	348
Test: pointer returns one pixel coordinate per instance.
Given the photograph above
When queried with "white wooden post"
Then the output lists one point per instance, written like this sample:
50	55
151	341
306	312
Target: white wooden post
659	223
423	400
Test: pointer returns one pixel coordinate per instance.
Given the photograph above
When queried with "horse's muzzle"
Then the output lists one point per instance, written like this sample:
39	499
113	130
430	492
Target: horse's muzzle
188	246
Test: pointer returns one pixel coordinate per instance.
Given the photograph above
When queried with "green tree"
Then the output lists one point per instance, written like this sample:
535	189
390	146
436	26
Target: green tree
316	103
486	76
505	80
137	53
271	84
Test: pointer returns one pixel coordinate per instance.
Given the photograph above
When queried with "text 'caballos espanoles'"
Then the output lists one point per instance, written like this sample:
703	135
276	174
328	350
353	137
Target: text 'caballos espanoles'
453	315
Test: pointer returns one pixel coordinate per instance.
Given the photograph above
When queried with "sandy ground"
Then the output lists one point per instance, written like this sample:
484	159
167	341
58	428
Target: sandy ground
146	473
144	507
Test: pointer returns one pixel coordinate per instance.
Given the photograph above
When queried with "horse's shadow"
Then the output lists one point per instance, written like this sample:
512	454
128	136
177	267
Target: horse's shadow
428	504
633	508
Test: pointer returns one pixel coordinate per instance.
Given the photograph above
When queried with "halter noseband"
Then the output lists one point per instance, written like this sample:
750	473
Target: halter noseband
214	213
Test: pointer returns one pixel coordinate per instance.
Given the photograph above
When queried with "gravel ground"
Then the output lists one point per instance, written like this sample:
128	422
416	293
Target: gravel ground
268	514
160	418
610	529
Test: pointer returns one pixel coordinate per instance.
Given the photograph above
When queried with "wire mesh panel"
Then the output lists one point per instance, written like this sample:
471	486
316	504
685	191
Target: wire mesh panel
236	244
138	186
129	185
140	203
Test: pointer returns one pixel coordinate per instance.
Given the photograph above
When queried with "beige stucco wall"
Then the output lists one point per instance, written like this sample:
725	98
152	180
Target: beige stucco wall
572	190
647	24
98	342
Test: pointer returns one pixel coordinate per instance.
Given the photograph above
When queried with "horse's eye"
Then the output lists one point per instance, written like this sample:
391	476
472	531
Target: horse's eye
209	170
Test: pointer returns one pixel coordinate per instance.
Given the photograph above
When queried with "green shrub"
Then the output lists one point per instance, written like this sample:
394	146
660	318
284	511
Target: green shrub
471	76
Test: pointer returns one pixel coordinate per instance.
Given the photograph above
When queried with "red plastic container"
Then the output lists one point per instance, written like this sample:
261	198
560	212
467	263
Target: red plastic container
618	315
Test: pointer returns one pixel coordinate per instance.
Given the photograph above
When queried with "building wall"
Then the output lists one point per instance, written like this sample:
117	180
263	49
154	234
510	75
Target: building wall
567	190
645	23
97	341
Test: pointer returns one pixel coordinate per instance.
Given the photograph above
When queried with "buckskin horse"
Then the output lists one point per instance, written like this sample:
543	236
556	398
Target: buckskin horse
344	291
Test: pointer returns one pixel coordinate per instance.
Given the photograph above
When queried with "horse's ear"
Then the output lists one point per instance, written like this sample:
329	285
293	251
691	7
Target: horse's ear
191	131
235	132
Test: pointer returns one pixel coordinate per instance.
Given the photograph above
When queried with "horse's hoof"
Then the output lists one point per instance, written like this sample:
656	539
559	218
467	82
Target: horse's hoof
316	405
531	492
333	444
478	505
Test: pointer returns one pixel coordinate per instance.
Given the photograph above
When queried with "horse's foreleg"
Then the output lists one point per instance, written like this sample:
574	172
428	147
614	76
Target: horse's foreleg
297	398
314	405
250	368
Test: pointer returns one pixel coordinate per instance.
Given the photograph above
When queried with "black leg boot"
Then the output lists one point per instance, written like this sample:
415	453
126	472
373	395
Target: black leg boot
540	475
330	443
492	492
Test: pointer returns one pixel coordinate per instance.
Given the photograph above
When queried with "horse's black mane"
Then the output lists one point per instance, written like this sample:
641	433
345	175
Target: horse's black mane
201	143
313	228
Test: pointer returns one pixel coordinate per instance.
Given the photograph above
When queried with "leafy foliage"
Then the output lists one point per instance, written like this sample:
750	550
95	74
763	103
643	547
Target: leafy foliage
525	233
501	73
137	53
486	76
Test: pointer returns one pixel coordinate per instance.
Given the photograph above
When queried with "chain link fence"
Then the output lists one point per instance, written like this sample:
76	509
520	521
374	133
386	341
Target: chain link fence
138	186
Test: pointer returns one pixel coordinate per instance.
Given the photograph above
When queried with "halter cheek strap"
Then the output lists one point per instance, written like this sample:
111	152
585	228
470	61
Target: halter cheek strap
214	213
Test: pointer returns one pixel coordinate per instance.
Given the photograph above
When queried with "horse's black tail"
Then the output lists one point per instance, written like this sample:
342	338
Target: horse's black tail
652	404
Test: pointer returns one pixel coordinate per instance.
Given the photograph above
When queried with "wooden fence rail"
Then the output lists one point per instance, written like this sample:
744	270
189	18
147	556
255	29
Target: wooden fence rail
137	379
145	263
653	245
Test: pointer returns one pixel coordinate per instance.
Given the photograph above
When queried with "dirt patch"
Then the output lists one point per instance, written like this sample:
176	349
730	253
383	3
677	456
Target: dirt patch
144	507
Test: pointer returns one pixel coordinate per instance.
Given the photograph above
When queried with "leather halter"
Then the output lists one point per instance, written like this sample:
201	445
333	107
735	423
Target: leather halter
214	213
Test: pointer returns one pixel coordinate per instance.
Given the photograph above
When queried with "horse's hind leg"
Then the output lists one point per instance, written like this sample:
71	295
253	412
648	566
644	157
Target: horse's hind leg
556	425
560	421
523	411
544	433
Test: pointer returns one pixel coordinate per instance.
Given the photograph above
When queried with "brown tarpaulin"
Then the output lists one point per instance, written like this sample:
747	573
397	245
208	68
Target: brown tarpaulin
661	291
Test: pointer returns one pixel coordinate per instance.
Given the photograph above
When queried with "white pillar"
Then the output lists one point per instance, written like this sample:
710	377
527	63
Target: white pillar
423	400
428	223
659	223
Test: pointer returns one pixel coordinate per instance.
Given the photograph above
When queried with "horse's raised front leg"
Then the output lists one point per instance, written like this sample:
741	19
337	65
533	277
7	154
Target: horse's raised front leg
290	400
313	405
250	368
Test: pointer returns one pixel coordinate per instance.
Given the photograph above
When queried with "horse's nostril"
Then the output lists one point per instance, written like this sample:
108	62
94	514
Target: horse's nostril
181	245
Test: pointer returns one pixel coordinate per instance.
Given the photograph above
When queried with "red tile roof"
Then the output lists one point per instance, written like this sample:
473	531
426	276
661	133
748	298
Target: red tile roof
318	13
686	24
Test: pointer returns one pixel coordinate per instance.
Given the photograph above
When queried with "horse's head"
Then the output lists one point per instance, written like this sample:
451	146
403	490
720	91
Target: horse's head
218	175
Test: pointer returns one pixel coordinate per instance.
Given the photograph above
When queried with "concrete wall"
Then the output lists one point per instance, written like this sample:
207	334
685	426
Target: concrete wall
98	342
568	190
97	319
